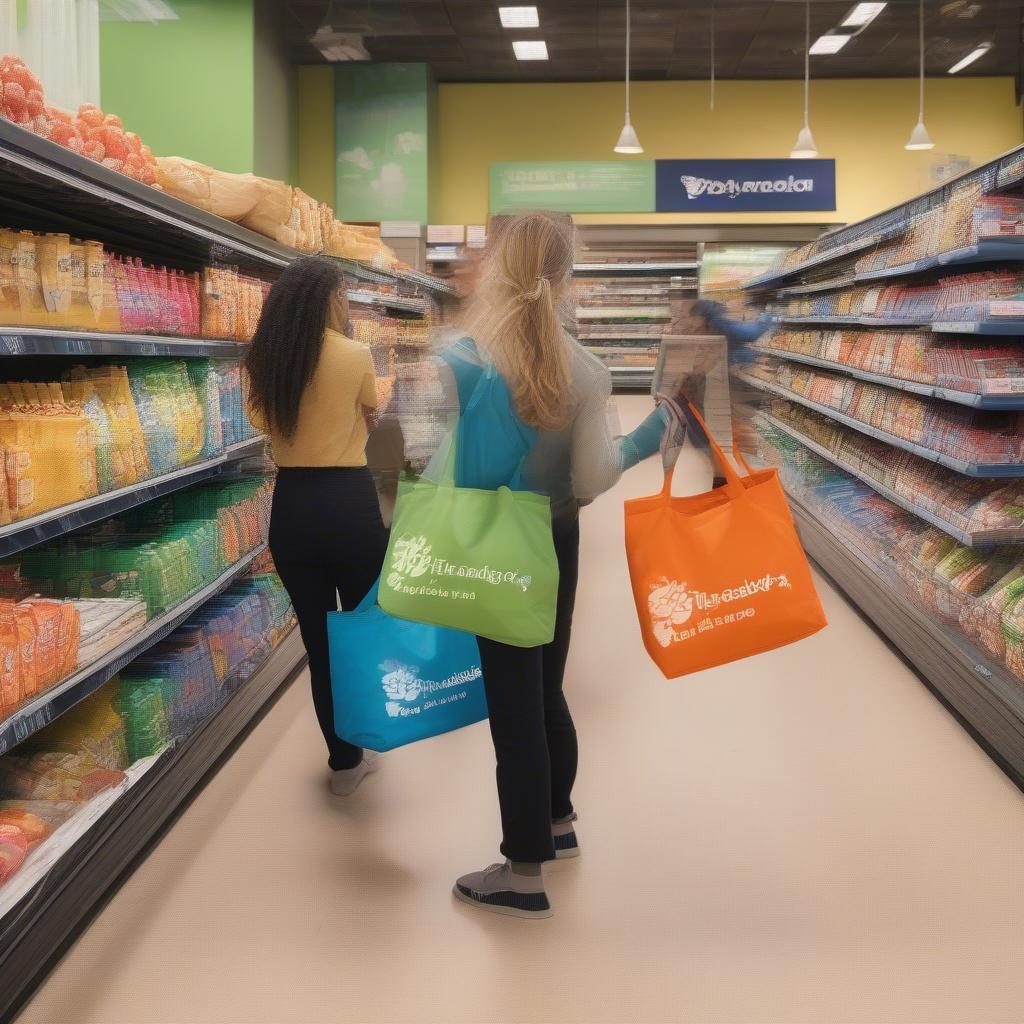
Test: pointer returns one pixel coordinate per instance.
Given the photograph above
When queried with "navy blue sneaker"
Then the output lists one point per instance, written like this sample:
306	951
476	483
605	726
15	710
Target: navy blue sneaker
501	891
564	835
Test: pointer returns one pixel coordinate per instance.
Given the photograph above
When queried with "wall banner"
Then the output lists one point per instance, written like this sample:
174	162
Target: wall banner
573	186
744	186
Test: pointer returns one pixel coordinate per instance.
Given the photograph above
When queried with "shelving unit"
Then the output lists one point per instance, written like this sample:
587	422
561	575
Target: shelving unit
873	516
631	289
974	469
98	854
52	703
980	400
24	533
44	187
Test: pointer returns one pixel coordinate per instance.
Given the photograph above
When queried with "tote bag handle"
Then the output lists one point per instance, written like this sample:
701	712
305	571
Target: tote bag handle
689	416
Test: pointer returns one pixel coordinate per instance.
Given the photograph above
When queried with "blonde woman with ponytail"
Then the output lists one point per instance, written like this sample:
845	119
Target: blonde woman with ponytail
515	321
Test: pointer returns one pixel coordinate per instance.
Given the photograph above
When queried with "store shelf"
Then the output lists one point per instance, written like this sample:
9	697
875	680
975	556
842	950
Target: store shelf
986	699
831	285
634	268
968	398
1005	327
968	540
55	522
837	252
652	339
38	930
63	696
45	341
957	465
632	378
402	303
862	321
62	190
412	278
1006	250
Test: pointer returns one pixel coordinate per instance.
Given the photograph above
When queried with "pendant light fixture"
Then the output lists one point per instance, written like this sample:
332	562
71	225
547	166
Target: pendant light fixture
628	141
805	148
919	137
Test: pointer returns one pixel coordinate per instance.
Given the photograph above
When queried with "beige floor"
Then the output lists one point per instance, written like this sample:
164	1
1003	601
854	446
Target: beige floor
805	837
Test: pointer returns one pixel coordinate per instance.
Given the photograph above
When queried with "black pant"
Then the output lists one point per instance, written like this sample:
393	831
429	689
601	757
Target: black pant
327	538
533	732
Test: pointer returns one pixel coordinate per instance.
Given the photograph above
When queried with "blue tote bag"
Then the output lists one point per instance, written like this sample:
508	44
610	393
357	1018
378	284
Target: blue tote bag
395	682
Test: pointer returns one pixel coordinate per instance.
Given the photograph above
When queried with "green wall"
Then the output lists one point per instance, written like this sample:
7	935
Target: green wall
186	86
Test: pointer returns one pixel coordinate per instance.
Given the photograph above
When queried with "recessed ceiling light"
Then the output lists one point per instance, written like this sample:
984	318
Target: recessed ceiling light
979	51
530	49
519	17
863	14
828	44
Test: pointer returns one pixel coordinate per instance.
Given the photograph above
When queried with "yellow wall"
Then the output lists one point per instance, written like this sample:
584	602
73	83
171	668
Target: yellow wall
862	124
315	132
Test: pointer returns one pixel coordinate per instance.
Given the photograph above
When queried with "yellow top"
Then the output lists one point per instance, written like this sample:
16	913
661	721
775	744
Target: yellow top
331	430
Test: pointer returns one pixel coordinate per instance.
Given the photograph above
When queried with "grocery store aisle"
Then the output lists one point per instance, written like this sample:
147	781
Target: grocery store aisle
807	836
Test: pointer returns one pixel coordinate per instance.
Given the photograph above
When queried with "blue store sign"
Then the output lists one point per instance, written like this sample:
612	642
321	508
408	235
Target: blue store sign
744	186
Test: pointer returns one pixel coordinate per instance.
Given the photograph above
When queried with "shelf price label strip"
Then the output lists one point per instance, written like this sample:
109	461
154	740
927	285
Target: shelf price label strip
63	696
25	341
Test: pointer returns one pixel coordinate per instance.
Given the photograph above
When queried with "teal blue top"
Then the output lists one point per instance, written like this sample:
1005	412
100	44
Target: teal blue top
575	464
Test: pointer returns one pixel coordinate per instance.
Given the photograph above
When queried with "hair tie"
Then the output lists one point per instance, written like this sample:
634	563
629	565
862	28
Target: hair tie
535	292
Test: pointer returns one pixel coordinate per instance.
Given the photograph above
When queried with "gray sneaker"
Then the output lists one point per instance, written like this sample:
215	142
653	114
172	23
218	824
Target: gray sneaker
501	891
564	835
345	781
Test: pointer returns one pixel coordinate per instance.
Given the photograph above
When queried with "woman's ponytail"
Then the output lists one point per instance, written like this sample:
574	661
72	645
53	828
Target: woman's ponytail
517	314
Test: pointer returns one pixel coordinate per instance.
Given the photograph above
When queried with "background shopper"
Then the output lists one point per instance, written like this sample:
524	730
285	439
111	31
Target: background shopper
515	321
313	390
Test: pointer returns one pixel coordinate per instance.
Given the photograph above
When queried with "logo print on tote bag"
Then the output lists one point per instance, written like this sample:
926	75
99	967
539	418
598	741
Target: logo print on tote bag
403	688
671	604
401	685
412	558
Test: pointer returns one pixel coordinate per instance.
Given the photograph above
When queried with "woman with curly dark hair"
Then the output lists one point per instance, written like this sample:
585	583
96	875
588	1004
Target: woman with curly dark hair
313	390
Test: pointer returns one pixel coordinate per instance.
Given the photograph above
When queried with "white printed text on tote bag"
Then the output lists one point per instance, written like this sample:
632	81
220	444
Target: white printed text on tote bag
671	605
407	694
413	559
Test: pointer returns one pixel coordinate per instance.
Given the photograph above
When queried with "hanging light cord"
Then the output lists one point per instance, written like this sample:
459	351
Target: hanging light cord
807	63
921	42
712	54
627	59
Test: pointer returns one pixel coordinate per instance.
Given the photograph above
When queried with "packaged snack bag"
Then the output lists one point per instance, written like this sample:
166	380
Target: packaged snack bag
53	255
34	829
27	278
26	641
13	850
92	731
11	687
10	302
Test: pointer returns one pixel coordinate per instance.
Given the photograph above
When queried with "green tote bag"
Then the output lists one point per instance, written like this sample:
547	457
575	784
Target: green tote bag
480	561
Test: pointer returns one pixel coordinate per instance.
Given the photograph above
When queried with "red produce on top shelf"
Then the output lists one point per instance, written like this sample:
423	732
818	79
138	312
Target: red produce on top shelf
100	137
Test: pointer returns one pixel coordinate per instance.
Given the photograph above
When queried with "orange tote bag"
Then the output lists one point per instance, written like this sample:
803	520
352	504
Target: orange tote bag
718	576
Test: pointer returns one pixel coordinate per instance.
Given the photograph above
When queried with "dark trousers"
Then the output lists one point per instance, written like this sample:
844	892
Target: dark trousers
327	539
533	732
